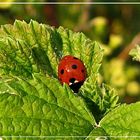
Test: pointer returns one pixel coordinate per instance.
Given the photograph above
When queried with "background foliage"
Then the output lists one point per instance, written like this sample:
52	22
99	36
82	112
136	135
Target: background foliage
116	27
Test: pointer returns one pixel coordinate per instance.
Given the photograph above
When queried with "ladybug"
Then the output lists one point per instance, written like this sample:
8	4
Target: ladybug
72	71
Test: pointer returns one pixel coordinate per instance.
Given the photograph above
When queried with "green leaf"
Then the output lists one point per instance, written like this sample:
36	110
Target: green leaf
32	100
30	48
100	100
123	121
44	110
135	53
98	134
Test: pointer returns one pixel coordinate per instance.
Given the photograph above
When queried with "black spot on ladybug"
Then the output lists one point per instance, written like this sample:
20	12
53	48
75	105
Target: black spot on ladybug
71	80
75	58
82	71
74	66
62	71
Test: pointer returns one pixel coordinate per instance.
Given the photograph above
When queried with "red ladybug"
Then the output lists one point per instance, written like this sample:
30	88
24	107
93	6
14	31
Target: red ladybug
72	71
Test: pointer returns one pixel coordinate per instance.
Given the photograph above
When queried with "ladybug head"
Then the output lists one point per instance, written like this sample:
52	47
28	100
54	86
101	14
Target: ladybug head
75	87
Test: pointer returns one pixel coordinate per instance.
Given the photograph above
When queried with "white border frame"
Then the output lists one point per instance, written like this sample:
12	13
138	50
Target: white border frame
70	3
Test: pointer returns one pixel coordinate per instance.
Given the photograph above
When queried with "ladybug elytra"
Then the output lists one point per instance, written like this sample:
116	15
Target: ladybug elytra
72	71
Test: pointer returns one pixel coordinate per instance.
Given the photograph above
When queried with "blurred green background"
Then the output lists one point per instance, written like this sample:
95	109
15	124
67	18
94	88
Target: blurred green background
116	27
